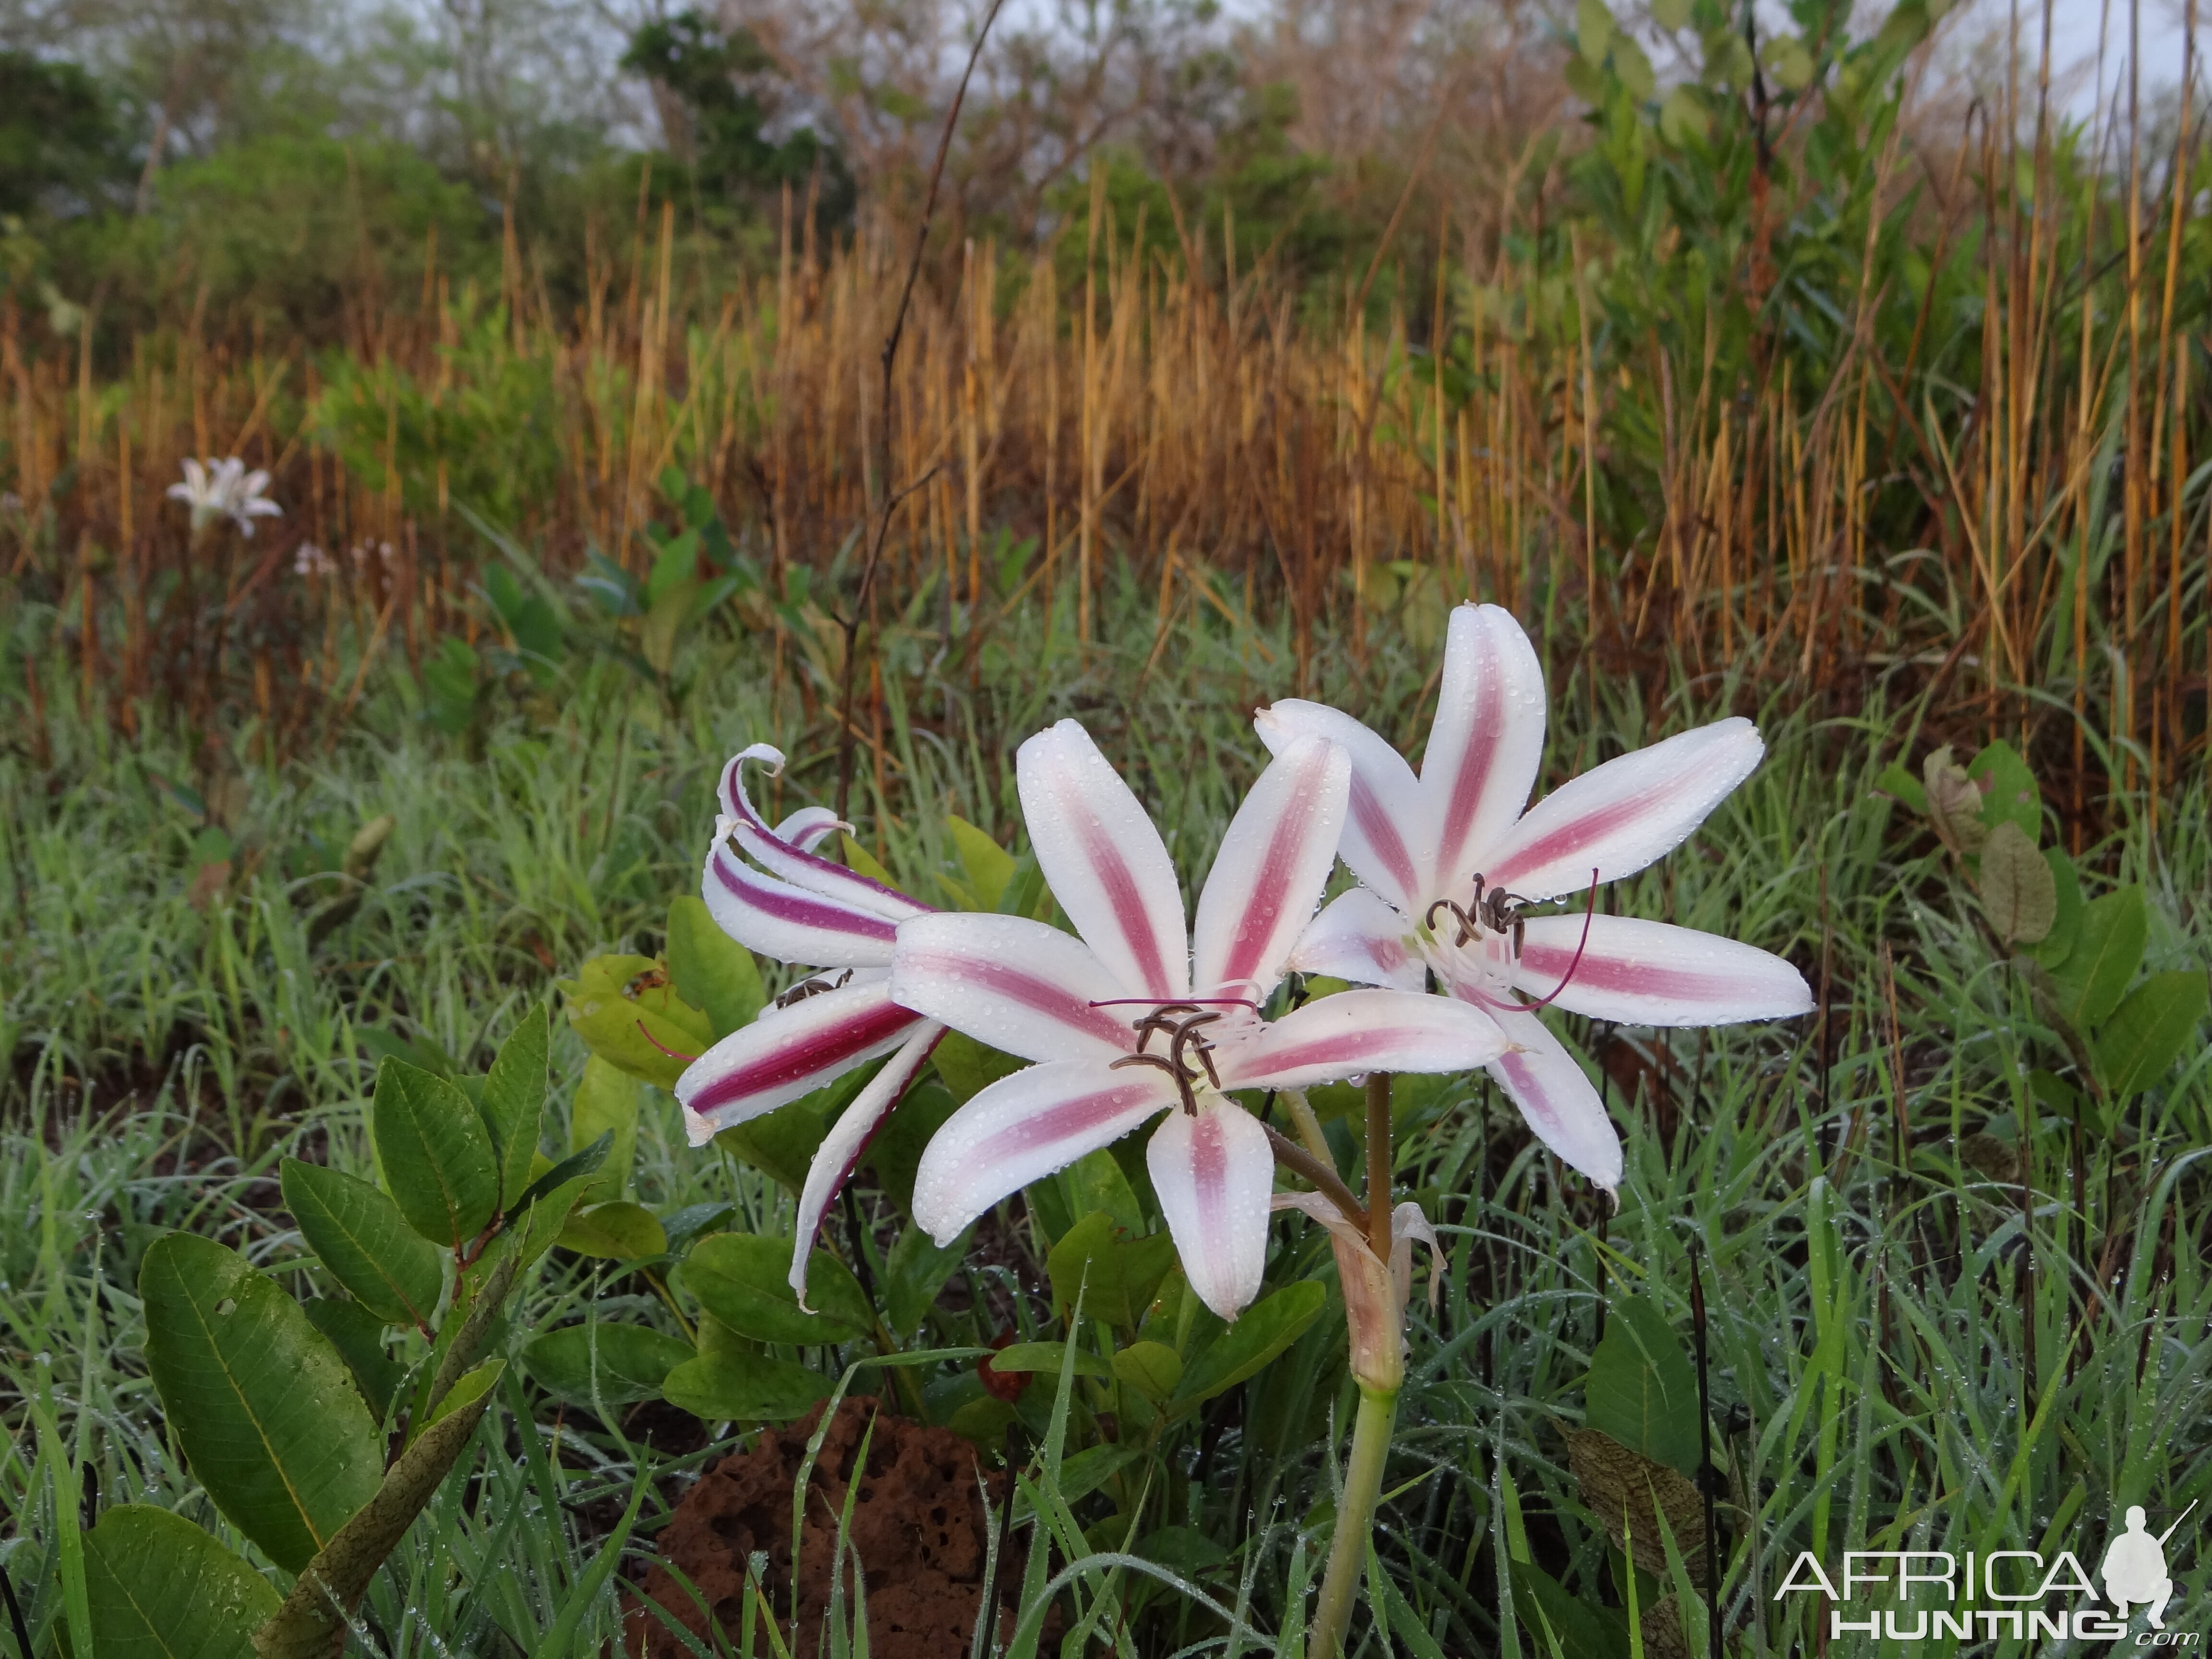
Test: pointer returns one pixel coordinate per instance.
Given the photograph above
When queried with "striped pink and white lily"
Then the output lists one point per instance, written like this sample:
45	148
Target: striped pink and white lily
1138	1017
1445	859
791	903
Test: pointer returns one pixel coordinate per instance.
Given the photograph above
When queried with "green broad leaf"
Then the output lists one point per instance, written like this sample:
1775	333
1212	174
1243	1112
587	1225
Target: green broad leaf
989	867
1641	1392
896	1153
1901	786
680	1227
2018	890
1683	119
1791	63
1559	1621
619	1231
261	1402
1047	1357
742	1279
538	1224
1152	1369
1262	1331
628	1362
1092	1467
1671	14
2066	915
862	862
712	971
433	1153
1593	30
1095	1182
629	1015
2149	1030
782	1144
1633	65
473	1386
514	1103
915	1272
2008	791
563	1183
753	1388
2107	950
358	1335
2055	1092
160	1588
968	1068
605	1105
363	1242
1122	1273
311	1622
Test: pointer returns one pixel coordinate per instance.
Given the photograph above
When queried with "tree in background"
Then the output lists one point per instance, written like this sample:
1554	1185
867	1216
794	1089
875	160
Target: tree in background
721	97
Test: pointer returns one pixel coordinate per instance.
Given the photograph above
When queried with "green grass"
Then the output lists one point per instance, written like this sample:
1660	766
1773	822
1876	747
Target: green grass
1871	1303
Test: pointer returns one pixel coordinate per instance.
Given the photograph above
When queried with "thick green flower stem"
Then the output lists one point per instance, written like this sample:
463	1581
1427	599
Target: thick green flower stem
1355	1521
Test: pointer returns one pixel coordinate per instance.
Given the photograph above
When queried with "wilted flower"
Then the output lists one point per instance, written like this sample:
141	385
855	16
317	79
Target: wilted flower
794	905
222	490
1138	1016
1448	860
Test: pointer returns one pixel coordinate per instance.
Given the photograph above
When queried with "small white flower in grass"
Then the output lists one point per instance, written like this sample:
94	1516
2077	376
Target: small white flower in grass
311	560
790	903
1447	859
223	490
1138	1017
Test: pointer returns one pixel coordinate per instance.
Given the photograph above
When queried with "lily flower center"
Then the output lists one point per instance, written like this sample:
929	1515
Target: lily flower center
1474	949
1180	1038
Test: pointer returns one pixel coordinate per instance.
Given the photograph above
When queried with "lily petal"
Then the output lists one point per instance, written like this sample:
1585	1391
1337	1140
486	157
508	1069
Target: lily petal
1647	973
1104	860
1018	985
1387	832
1558	1098
787	1053
1268	876
795	863
1214	1171
806	828
848	1139
1626	813
789	923
1024	1128
1356	1031
1358	937
1487	740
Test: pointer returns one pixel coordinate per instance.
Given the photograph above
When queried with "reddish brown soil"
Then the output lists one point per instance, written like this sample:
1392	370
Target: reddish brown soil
919	1526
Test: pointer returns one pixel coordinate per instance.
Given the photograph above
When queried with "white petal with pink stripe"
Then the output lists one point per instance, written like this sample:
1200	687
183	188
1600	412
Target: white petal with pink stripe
1487	740
1024	1127
1104	860
1557	1099
787	1053
1356	1031
1268	875
1359	937
1018	985
1388	838
1623	815
849	1138
1213	1172
1648	973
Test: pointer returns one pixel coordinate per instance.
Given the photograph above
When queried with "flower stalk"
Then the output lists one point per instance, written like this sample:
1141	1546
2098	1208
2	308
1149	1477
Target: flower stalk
1374	1295
1355	1521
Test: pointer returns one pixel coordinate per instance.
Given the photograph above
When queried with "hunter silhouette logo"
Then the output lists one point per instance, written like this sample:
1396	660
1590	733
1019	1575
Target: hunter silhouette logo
2135	1567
